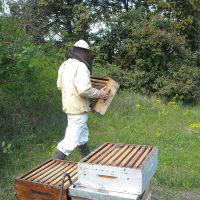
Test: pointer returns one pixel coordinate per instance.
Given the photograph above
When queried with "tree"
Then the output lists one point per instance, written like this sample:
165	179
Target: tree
184	15
58	20
67	20
187	15
150	54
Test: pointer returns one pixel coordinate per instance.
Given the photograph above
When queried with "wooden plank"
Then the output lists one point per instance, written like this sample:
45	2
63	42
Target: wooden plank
146	193
39	177
99	153
117	155
59	174
36	169
74	177
41	172
79	198
99	79
145	161
109	156
136	157
54	173
123	156
98	84
105	154
143	156
128	158
56	181
87	158
26	190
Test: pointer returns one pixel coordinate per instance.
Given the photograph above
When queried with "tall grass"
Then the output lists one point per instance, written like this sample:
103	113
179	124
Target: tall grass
131	119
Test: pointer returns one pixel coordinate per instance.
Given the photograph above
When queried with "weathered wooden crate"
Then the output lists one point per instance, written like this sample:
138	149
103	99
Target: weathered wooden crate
44	181
125	168
100	105
78	192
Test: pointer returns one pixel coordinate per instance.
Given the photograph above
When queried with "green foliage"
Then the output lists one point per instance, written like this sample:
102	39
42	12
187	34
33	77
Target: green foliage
187	14
150	55
184	83
183	15
6	148
28	82
59	21
5	152
1	6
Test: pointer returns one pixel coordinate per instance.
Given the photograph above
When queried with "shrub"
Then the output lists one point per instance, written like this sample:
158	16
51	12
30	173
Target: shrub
28	93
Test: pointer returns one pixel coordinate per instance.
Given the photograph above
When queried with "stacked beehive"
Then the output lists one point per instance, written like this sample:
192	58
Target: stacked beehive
116	171
111	172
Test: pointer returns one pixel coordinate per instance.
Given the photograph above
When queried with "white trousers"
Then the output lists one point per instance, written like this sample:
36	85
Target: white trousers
76	133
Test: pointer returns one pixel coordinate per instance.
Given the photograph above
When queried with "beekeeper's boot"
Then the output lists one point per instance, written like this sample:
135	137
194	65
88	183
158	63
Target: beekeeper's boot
84	149
59	155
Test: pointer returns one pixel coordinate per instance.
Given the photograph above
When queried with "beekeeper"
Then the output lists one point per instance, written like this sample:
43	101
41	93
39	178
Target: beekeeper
75	85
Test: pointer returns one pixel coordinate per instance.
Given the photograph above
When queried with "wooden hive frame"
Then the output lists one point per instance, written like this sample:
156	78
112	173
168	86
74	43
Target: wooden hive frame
120	155
100	105
44	181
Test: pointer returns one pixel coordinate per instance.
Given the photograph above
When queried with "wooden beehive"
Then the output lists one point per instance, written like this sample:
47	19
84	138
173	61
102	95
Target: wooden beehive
100	105
112	166
44	181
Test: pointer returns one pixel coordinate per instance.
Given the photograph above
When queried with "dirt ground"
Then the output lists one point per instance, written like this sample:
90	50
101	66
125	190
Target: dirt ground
160	193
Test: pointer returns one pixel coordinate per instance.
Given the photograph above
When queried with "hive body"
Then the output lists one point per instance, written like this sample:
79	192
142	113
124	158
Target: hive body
44	181
119	168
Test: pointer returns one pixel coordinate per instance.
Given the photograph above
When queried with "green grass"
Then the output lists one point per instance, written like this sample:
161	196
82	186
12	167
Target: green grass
131	119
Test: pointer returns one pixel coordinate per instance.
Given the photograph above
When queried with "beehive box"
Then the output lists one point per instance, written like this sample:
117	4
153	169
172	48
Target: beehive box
44	181
125	168
78	192
100	105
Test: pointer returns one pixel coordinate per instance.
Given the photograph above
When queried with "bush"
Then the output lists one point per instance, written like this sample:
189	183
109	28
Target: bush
184	84
28	95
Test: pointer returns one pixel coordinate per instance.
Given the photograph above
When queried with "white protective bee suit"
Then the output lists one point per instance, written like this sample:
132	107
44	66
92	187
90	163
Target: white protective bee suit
75	85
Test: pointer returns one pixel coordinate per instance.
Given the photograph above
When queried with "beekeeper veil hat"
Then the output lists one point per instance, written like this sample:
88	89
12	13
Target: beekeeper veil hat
82	52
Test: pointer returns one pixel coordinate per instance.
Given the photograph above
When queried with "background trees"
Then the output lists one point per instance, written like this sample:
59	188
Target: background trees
151	47
150	54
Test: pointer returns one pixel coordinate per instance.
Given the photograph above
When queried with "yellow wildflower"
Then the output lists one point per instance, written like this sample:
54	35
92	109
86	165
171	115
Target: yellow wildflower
193	126
53	148
165	109
158	101
157	134
138	106
173	104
